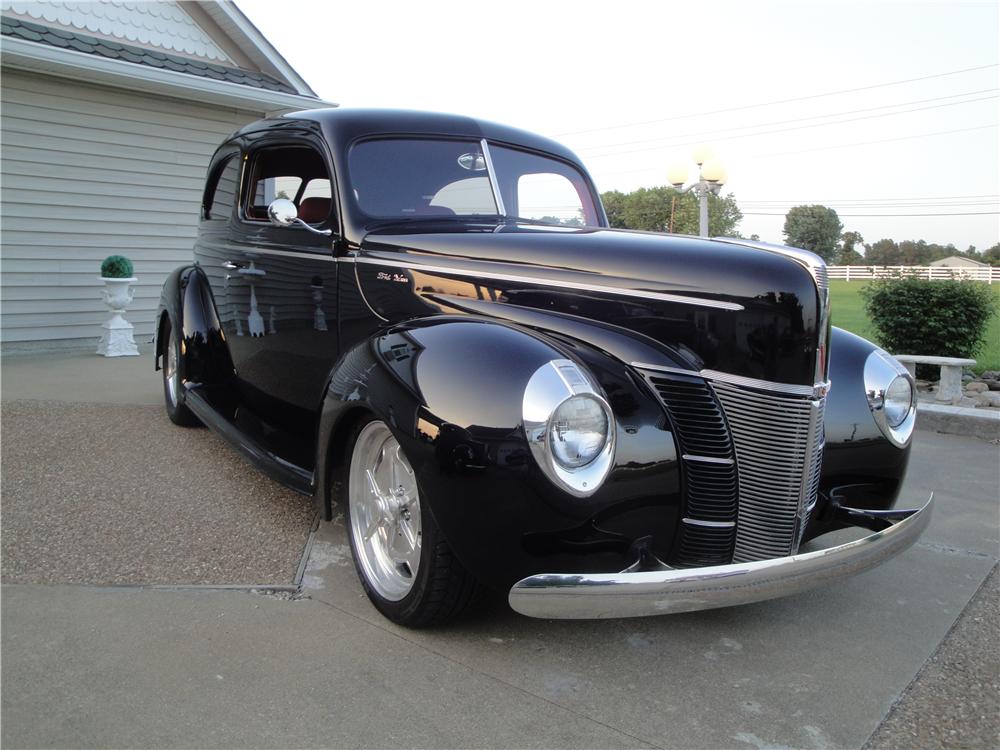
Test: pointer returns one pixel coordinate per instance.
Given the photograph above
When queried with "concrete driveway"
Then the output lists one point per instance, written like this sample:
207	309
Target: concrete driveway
119	629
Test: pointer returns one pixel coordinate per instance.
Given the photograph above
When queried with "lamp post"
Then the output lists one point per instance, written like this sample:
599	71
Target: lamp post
711	178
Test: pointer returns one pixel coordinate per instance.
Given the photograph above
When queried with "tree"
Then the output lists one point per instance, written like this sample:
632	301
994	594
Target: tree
848	255
885	252
814	228
657	209
991	255
614	206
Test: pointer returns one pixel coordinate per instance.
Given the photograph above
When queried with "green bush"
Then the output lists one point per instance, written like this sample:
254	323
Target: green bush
938	318
116	267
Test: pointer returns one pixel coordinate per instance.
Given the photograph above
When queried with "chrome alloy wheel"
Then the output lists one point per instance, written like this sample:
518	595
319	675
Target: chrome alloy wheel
170	374
384	512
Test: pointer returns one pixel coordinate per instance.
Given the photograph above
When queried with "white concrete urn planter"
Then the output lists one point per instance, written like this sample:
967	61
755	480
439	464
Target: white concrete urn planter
117	340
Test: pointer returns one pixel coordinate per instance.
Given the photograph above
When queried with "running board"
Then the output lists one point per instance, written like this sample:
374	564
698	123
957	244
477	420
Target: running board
292	476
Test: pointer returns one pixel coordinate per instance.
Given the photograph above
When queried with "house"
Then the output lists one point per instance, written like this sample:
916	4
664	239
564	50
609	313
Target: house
956	261
110	112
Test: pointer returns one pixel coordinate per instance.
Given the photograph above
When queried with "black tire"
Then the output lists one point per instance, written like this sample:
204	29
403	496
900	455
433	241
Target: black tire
441	589
173	389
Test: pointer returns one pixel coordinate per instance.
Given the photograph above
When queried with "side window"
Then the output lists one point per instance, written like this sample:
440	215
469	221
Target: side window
550	198
541	188
297	173
220	197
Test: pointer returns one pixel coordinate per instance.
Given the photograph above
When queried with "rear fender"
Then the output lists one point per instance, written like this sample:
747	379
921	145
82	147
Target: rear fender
187	302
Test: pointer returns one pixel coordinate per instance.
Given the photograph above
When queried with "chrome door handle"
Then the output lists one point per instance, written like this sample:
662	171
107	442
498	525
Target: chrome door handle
233	265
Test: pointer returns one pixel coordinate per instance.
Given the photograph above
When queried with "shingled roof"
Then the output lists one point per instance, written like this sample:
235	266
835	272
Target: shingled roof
33	32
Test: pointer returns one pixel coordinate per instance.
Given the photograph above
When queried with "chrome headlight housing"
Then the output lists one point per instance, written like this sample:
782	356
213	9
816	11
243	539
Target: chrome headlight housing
569	426
891	396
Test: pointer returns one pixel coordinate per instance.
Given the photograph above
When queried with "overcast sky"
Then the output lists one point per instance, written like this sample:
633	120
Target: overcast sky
632	87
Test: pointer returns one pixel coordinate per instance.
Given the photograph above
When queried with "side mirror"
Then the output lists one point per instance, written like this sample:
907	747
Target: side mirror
282	213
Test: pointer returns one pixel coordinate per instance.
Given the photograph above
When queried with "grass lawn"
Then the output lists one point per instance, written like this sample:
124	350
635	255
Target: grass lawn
849	313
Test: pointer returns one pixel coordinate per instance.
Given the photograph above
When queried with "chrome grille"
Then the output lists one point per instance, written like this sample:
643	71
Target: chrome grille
822	277
779	446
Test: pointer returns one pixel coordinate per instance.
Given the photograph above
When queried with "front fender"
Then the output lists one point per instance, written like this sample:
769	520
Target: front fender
861	467
186	299
451	390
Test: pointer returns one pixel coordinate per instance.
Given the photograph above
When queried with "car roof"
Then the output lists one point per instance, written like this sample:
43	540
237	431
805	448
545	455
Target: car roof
344	125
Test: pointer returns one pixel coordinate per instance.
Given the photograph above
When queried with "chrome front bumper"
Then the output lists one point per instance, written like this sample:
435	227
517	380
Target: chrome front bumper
597	595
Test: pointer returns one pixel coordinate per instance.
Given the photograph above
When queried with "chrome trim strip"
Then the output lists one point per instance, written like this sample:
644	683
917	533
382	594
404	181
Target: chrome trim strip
664	368
361	293
301	255
604	595
709	524
501	210
707	459
550	282
810	391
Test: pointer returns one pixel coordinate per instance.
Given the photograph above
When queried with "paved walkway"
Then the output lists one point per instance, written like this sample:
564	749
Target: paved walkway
179	666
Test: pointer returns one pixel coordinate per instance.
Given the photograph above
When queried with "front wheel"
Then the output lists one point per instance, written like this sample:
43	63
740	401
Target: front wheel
406	567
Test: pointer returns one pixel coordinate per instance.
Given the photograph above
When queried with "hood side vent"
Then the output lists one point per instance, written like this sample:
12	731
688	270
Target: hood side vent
707	531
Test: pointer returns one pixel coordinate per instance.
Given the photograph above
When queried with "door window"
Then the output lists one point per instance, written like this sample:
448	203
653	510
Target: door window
297	173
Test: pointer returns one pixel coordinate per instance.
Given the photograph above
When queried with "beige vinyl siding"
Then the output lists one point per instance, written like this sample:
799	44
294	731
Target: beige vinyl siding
90	171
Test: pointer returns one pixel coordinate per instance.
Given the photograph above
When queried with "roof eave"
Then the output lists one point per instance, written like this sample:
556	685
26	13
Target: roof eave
25	55
254	44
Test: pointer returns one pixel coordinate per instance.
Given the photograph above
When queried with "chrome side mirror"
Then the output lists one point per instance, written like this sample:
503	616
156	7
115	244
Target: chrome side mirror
282	213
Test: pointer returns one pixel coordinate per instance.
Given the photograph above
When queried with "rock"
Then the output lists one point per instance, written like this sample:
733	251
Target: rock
988	399
991	375
967	378
963	401
976	387
994	385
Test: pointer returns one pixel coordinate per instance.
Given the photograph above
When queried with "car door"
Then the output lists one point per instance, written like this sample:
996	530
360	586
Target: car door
278	303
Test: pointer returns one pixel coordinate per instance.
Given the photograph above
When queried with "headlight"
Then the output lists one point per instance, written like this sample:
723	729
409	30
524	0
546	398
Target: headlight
578	430
898	398
889	390
569	426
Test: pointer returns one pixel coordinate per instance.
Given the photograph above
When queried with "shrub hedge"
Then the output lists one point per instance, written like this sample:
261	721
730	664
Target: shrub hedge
938	318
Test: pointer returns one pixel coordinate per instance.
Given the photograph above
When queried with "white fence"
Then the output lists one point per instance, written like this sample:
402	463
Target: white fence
857	273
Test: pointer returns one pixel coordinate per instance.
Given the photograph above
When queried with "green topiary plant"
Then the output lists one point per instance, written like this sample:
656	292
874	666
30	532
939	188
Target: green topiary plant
938	318
116	267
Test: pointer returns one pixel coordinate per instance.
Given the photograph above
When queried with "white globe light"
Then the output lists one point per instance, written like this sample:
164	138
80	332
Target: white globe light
713	171
677	174
702	154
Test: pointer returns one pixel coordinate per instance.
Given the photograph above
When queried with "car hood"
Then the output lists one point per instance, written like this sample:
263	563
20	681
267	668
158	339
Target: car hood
722	305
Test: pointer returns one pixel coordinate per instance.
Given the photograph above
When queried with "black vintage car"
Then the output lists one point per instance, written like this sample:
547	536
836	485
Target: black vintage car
425	321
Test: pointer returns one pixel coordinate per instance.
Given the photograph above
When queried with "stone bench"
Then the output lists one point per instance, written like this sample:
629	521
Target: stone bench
950	384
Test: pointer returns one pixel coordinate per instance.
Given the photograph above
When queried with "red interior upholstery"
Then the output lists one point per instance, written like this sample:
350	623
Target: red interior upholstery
314	210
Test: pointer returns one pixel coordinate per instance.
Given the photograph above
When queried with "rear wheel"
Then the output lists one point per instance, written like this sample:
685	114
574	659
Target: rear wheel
406	567
173	388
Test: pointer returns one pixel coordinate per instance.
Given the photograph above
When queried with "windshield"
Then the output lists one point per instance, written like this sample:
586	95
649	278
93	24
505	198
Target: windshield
406	178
